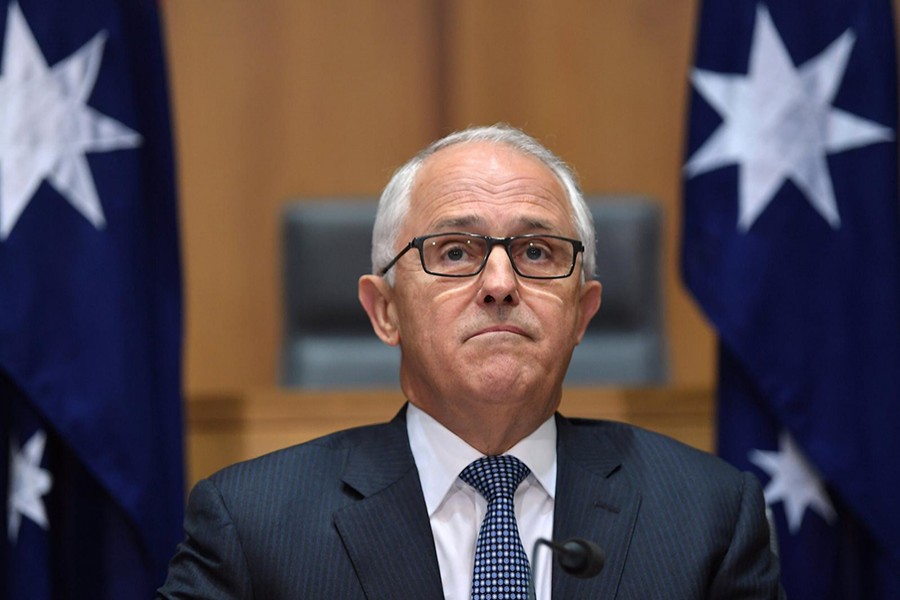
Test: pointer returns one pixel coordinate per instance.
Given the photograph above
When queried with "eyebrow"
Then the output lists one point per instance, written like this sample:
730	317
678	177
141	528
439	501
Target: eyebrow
458	222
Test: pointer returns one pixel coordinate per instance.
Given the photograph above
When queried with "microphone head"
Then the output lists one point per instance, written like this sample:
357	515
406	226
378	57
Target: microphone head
581	558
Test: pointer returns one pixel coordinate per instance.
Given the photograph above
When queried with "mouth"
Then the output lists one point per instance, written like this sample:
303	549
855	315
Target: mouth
500	330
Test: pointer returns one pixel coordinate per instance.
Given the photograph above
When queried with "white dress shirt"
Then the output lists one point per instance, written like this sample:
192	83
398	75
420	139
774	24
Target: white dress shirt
456	509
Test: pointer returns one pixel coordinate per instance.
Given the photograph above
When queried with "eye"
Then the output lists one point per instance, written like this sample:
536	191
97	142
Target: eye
534	253
454	254
452	251
536	250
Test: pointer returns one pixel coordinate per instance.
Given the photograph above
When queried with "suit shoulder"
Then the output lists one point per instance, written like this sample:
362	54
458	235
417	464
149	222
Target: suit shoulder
325	453
654	449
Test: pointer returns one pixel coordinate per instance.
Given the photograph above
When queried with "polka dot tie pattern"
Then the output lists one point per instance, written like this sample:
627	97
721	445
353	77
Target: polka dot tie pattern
501	568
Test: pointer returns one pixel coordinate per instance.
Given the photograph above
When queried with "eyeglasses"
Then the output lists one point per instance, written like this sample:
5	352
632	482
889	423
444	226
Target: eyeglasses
536	256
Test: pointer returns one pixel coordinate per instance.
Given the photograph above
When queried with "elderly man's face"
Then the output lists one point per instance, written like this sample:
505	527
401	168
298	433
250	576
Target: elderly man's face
495	337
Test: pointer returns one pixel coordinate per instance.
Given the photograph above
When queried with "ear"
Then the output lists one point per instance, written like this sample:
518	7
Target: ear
588	304
376	297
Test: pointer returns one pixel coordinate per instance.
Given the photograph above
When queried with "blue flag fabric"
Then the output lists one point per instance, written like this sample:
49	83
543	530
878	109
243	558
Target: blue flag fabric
791	246
90	302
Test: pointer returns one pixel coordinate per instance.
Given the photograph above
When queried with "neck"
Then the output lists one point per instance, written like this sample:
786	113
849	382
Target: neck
491	427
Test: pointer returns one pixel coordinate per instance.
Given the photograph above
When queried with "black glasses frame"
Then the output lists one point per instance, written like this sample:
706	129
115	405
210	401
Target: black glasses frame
419	242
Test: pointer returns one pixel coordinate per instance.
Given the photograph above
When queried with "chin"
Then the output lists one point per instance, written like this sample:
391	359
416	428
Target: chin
507	379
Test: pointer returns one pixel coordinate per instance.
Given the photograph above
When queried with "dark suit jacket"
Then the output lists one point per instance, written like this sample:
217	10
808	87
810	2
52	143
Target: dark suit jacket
343	517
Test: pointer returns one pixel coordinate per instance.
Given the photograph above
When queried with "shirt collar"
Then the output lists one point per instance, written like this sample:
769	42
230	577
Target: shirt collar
441	455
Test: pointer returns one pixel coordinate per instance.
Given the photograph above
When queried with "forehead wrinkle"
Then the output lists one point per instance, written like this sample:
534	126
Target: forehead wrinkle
465	189
534	224
450	186
463	222
458	222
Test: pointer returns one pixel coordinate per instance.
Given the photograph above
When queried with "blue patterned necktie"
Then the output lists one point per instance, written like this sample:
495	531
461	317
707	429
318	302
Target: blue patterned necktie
501	565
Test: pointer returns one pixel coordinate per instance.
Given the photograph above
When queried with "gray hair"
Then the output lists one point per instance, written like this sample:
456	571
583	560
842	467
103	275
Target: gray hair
395	199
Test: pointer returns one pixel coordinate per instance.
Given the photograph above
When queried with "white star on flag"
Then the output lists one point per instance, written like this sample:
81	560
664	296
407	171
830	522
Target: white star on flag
794	481
46	126
28	484
779	123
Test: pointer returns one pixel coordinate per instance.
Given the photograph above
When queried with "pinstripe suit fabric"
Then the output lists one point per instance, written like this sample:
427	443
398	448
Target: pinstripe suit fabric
343	517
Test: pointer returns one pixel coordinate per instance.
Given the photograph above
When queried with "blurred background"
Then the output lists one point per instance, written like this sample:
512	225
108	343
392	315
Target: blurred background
278	100
283	109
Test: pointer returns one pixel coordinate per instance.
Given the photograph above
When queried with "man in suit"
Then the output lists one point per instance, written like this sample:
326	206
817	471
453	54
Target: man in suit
487	302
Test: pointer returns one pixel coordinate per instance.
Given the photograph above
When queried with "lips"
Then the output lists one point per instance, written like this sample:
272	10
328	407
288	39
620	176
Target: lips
500	329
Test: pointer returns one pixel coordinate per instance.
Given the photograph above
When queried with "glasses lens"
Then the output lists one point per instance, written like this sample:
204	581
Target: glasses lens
453	254
542	256
460	254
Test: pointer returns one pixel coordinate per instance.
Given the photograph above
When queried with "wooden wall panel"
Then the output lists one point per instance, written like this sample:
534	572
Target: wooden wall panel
223	429
275	99
281	98
605	85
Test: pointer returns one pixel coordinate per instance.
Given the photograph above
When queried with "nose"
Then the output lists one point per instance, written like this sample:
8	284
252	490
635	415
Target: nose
499	283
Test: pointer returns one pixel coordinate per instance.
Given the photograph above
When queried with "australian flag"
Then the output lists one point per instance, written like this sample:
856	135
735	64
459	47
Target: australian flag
90	302
792	249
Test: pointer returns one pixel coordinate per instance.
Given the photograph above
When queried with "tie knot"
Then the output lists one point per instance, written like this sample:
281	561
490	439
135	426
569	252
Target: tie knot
495	476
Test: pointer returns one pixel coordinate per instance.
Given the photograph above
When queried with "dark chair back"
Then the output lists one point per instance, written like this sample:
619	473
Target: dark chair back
328	340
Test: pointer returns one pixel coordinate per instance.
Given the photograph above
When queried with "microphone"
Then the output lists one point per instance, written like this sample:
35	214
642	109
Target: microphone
576	556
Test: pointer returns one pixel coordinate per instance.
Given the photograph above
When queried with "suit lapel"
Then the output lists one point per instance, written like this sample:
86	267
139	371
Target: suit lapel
593	501
387	532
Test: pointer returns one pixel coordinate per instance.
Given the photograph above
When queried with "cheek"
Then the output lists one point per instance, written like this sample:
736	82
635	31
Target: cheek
544	298
431	313
544	294
555	308
453	292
